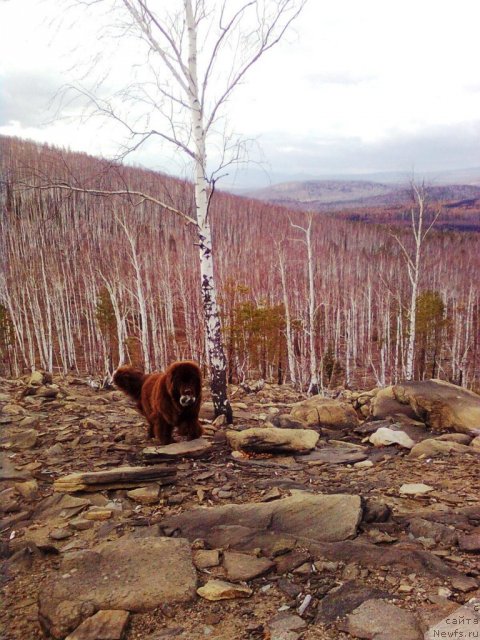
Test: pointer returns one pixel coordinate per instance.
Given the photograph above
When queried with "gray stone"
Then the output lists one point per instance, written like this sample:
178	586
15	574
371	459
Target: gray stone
463	583
470	541
415	488
26	439
461	438
287	422
104	625
221	590
28	489
475	443
145	495
379	620
12	410
242	567
246	526
60	534
334	455
421	528
385	405
8	500
36	378
273	440
324	412
206	558
285	621
339	602
432	448
186	449
48	392
116	575
385	436
8	471
291	561
441	405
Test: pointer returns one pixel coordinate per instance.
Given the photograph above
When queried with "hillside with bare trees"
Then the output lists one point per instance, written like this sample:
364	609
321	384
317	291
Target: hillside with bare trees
91	281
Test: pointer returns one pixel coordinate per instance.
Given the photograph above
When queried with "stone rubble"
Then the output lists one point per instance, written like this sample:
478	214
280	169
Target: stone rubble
105	535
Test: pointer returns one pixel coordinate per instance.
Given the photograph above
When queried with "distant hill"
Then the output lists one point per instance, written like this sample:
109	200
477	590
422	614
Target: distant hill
325	195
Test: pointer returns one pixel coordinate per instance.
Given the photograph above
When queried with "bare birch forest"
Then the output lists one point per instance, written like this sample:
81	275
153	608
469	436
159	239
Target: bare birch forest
89	282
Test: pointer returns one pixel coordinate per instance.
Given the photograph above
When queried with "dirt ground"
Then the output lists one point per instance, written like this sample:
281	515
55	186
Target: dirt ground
84	429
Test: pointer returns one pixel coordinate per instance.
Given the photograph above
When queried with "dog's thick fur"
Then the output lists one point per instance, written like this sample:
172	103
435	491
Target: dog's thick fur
159	397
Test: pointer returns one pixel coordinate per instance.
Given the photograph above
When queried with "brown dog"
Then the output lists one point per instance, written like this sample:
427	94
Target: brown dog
167	400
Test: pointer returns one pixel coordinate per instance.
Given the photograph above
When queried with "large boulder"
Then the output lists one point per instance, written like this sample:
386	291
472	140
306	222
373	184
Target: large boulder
273	440
127	574
385	405
441	405
324	412
325	518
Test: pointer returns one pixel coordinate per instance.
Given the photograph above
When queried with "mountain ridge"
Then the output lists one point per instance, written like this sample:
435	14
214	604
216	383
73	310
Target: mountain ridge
319	195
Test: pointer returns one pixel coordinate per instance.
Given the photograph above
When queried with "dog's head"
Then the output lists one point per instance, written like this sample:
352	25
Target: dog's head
184	381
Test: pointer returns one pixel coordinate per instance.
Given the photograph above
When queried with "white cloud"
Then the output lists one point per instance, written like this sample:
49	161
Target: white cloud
350	81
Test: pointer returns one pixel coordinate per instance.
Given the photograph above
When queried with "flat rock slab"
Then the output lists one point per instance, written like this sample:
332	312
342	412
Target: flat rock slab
385	436
379	620
334	455
338	603
325	412
120	478
26	439
415	489
104	625
8	471
461	438
206	558
128	574
242	567
273	440
221	590
441	405
187	449
145	495
245	526
433	448
284	622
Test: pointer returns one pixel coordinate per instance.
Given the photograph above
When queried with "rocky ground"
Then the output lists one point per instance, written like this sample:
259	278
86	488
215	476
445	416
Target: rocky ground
335	518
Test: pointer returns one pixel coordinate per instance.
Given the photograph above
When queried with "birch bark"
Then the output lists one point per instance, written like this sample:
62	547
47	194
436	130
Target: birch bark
215	351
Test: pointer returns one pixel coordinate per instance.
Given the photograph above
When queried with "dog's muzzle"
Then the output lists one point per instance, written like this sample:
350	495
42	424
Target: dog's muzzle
187	401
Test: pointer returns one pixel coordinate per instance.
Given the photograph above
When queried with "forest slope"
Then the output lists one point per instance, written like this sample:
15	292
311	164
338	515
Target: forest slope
73	264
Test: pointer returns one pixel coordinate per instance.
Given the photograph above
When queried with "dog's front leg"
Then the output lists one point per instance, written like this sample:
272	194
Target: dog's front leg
162	430
191	429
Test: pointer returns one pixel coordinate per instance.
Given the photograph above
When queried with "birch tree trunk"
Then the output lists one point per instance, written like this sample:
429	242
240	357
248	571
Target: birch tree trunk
414	266
215	352
288	321
313	387
313	384
414	273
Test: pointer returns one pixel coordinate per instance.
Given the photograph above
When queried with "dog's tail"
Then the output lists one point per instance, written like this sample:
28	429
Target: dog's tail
130	381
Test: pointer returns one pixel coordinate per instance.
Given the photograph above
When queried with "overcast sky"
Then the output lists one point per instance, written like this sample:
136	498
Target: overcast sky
356	87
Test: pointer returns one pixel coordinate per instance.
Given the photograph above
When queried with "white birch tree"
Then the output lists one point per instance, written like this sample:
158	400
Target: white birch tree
313	387
288	317
179	99
413	260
